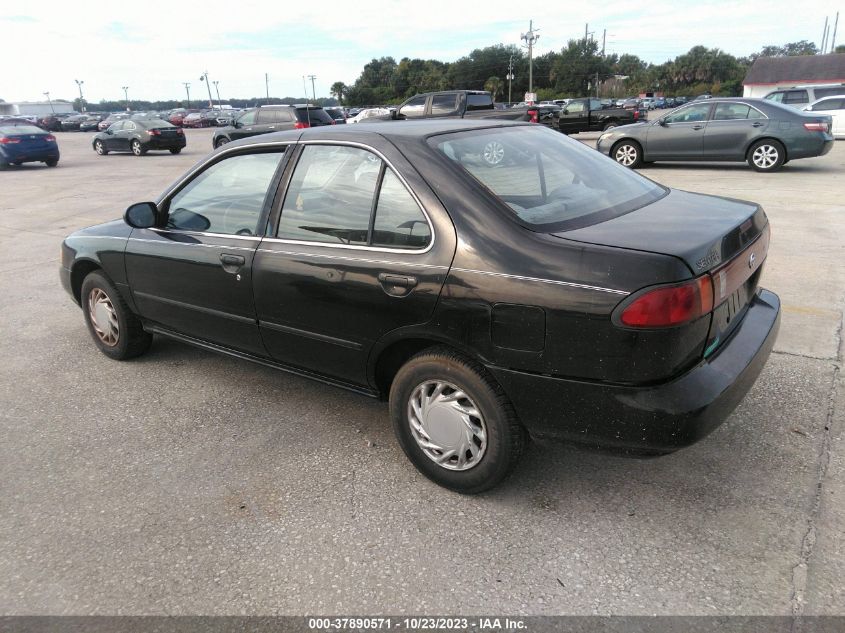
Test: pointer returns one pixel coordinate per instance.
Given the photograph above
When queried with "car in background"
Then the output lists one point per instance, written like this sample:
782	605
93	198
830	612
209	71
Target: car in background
177	116
681	100
112	118
90	124
53	122
337	113
71	123
622	315
799	96
139	137
834	107
14	119
26	143
763	133
272	118
368	113
660	102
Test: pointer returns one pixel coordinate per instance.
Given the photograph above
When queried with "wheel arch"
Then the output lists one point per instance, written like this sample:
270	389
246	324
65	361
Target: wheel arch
80	270
628	139
753	142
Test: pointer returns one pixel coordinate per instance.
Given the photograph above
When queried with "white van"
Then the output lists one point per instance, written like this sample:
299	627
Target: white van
799	96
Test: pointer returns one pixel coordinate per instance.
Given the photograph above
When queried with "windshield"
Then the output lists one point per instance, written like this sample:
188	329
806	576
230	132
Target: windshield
548	181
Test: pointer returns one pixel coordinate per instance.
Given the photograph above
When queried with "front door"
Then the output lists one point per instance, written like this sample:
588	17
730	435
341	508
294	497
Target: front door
574	117
113	138
680	135
353	257
194	274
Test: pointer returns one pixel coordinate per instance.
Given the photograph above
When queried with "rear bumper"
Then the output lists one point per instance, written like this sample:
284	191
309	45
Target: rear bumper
29	155
649	420
168	143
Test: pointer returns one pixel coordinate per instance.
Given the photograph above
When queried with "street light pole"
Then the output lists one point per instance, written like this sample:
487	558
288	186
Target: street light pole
267	85
530	39
126	95
217	90
510	77
52	109
313	91
204	77
81	99
188	92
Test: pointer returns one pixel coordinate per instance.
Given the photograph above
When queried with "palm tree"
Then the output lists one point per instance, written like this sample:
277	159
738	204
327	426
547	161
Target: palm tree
338	89
494	86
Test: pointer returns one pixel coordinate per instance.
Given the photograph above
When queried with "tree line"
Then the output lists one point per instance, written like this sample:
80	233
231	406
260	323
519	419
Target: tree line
579	69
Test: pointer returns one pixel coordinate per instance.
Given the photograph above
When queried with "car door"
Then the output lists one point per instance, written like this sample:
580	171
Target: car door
112	140
679	135
193	274
732	129
361	248
246	126
414	109
574	117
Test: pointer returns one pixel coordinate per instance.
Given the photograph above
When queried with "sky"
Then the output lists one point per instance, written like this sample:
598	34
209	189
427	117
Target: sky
153	47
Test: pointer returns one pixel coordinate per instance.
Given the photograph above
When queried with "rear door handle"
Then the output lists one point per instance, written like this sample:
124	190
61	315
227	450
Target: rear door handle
757	124
231	263
697	127
397	285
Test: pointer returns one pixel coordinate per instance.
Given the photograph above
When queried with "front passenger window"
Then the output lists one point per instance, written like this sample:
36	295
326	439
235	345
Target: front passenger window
226	198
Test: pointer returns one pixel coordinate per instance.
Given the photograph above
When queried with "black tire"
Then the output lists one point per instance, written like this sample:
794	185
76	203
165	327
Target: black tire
52	162
100	147
505	436
766	155
137	148
627	153
175	150
220	142
610	125
130	340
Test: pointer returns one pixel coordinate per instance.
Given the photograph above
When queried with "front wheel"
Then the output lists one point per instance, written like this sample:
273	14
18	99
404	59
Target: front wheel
116	331
627	153
175	150
454	422
137	148
220	142
766	156
100	148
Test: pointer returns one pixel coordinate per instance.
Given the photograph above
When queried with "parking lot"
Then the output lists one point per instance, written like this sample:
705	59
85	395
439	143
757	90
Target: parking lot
184	482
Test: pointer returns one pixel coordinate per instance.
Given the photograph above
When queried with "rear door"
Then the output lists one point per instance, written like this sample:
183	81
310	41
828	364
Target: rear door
193	276
680	135
732	129
361	247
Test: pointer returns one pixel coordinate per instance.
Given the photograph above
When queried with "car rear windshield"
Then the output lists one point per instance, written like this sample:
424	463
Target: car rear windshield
549	182
20	129
315	116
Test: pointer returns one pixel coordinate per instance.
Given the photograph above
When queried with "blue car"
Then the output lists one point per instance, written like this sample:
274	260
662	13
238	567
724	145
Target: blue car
26	144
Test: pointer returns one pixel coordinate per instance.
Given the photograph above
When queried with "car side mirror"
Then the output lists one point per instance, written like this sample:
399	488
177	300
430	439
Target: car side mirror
395	115
108	131
141	215
661	122
236	125
566	110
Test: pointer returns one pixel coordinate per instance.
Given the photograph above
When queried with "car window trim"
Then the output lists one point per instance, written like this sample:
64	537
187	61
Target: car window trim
164	200
716	106
271	235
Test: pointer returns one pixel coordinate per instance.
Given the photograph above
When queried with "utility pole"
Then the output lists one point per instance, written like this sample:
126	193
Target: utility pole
824	34
81	99
188	92
204	77
603	41
313	91
530	39
217	90
304	88
52	109
510	78
126	96
833	38
267	84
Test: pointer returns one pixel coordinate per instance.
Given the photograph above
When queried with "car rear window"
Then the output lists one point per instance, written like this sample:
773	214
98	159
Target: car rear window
479	102
547	181
20	129
315	116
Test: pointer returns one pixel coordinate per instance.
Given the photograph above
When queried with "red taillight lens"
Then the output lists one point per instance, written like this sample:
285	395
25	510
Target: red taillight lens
669	306
817	127
636	115
534	116
5	140
299	125
179	130
154	132
50	138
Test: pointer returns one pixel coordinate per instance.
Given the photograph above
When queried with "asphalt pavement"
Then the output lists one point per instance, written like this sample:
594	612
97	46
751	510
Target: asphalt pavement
188	483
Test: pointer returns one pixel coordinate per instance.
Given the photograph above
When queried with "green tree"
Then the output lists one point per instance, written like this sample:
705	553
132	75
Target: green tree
494	86
338	90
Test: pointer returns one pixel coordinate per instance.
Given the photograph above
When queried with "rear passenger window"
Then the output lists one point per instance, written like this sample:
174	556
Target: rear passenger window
796	96
829	104
830	92
399	222
444	104
330	197
731	112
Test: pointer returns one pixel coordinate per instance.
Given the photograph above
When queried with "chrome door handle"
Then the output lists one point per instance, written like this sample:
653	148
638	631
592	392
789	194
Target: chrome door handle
232	263
757	124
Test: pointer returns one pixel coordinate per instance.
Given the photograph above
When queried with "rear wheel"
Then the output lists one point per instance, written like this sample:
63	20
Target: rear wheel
52	162
100	148
454	422
137	148
627	153
766	155
220	142
610	125
116	331
175	150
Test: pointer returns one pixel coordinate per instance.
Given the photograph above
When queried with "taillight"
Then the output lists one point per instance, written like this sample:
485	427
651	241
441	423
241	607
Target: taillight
534	116
636	115
179	130
334	122
670	306
154	132
300	125
817	126
50	138
5	140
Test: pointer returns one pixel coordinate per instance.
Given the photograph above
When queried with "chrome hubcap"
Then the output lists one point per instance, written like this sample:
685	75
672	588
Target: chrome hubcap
136	148
103	317
447	425
765	156
626	155
494	152
99	147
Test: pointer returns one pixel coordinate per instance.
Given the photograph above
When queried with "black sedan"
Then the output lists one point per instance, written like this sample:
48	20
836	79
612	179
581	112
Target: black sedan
548	292
139	137
765	134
